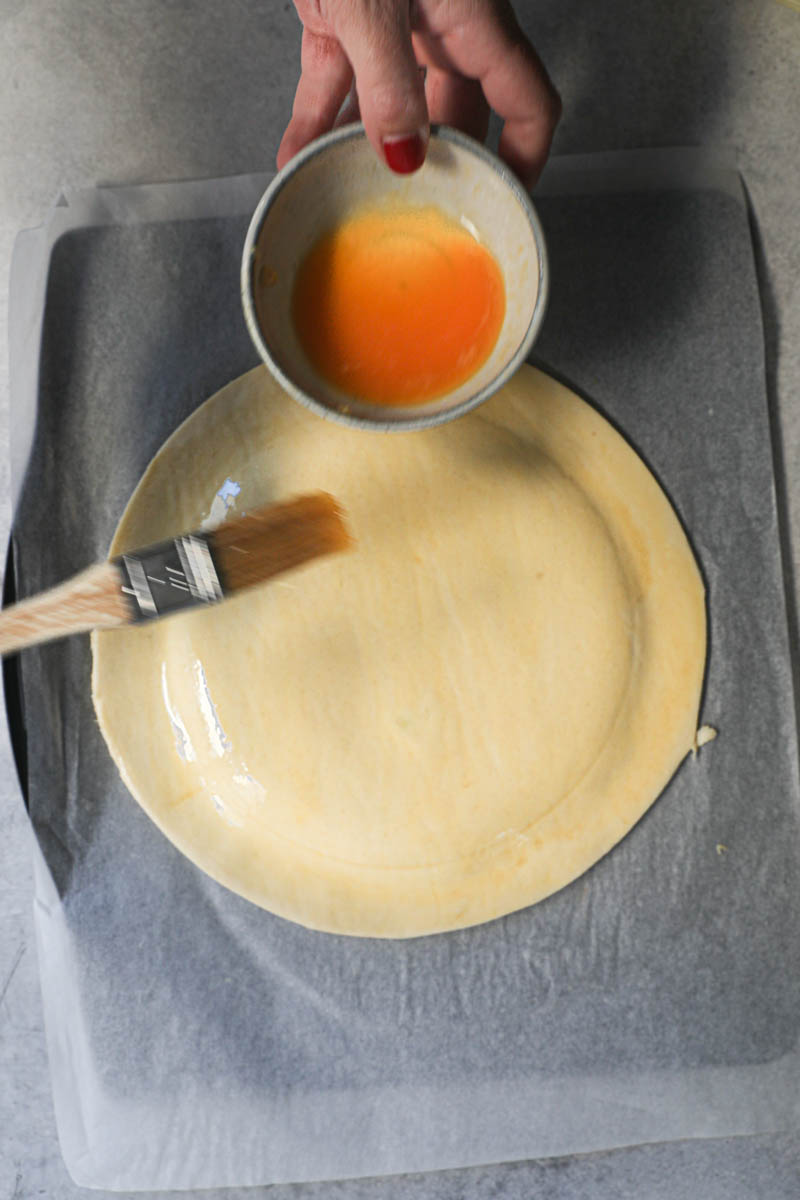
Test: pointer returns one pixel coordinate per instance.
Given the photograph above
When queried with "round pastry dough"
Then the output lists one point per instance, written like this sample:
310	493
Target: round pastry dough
450	722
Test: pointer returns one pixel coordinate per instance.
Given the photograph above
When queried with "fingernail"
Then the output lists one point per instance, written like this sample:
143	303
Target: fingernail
405	153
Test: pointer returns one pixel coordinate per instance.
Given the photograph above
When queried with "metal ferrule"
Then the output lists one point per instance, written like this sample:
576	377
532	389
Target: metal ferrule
170	576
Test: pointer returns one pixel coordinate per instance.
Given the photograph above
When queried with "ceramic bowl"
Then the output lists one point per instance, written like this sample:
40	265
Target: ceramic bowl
340	173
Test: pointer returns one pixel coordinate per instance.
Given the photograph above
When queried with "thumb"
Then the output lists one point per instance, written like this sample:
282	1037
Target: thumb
376	37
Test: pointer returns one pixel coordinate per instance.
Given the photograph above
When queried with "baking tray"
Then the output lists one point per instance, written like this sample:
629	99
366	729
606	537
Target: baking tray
639	1004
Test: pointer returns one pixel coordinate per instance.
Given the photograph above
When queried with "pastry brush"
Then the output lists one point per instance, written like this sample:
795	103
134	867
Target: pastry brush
197	568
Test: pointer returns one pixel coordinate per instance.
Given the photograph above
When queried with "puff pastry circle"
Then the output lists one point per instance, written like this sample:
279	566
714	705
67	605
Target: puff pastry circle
451	722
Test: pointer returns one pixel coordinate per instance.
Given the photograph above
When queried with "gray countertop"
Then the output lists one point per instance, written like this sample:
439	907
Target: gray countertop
103	91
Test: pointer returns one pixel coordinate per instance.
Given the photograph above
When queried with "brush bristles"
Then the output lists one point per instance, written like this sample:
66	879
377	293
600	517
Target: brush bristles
251	549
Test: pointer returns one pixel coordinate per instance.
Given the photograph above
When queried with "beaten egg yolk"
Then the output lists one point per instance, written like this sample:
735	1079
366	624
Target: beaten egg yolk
398	305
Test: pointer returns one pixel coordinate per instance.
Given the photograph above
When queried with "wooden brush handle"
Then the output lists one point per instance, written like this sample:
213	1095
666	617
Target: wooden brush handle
91	600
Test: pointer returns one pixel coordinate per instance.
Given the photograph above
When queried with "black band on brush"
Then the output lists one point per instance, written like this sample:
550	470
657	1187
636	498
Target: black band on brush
170	576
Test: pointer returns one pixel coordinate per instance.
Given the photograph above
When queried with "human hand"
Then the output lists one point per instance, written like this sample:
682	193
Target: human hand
474	56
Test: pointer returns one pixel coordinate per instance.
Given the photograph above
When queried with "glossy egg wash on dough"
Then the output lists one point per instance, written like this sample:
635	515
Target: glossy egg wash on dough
398	305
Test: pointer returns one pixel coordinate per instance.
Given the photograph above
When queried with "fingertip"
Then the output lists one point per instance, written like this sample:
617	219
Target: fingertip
527	170
525	145
405	153
283	156
292	143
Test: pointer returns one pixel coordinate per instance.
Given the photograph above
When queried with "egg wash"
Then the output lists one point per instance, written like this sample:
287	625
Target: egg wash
398	305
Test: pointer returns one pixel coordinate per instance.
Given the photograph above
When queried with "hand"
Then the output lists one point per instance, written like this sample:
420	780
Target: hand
474	56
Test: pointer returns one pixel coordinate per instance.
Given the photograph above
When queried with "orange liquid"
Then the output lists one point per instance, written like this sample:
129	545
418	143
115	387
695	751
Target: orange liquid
398	305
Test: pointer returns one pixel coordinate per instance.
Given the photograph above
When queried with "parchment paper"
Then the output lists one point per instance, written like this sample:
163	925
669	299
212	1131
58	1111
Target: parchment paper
196	1041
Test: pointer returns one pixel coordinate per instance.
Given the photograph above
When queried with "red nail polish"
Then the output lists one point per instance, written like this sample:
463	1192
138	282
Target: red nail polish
405	154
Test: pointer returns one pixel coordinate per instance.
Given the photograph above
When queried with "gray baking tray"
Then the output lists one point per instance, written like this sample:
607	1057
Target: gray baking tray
196	1041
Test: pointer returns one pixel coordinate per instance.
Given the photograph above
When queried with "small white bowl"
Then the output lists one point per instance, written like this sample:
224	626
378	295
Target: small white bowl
340	173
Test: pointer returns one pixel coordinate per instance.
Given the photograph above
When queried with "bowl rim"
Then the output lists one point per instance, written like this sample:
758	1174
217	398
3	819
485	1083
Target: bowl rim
400	422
